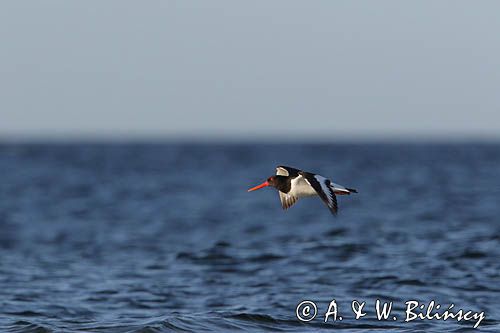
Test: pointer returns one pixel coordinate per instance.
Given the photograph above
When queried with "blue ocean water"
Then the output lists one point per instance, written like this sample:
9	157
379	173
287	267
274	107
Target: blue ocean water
164	237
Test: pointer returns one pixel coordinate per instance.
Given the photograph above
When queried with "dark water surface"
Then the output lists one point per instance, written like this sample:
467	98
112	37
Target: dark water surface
158	238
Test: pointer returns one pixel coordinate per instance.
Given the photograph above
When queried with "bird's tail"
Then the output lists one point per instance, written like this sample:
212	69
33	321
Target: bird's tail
341	190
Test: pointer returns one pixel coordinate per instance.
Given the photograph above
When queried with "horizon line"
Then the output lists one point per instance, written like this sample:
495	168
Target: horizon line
224	139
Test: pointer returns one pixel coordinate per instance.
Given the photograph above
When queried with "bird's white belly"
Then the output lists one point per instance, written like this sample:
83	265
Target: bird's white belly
300	188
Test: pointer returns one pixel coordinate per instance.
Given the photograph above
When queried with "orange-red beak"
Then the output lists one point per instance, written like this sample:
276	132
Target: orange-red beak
264	184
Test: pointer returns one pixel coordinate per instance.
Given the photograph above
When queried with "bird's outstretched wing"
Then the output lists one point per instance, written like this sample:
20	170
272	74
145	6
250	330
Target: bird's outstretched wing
322	186
286	171
287	200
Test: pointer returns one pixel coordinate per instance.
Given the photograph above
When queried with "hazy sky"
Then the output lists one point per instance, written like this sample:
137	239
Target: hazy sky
249	68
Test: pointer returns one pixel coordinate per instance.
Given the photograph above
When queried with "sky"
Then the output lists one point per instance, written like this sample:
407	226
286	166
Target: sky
249	69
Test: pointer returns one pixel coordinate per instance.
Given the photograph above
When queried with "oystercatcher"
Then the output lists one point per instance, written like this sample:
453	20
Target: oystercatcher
293	184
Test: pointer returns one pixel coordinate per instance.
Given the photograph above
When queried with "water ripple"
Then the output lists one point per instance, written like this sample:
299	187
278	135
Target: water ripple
161	238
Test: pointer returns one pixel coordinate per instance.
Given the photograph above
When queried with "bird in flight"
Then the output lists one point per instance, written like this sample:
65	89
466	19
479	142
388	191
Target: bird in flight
293	184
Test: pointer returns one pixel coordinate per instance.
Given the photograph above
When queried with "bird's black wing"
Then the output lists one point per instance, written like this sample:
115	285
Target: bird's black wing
287	200
322	186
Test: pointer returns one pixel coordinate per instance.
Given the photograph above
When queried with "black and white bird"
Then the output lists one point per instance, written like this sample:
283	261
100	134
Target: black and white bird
293	184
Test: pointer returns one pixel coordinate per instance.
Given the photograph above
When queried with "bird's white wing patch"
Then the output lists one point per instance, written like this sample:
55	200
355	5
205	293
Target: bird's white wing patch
281	172
327	189
323	182
287	200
